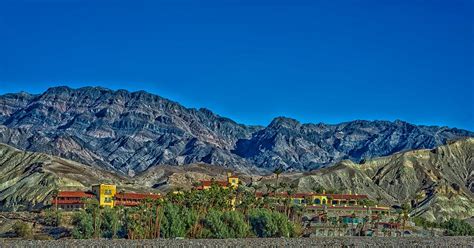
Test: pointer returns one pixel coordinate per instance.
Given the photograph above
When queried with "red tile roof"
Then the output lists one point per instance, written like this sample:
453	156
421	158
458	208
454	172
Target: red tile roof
60	202
136	196
208	183
346	196
78	194
303	195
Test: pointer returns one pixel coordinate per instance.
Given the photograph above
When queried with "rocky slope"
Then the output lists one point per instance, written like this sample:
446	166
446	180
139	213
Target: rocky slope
133	131
438	183
27	179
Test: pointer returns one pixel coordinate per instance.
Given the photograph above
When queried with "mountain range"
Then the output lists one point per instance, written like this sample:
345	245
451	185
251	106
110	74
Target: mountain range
439	182
130	132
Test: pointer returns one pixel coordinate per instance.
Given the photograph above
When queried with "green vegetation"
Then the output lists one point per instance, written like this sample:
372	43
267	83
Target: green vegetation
189	214
456	227
52	217
218	224
266	223
22	230
452	227
83	225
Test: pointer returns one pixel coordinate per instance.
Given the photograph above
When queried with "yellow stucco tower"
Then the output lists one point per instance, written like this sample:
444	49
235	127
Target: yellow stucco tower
233	181
105	193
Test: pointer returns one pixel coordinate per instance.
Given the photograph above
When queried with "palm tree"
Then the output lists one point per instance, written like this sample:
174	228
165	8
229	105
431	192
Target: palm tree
277	172
406	214
55	194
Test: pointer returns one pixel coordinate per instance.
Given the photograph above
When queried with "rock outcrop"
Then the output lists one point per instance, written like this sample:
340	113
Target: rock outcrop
133	131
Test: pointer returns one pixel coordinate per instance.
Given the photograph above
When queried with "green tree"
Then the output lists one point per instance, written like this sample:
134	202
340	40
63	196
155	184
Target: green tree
218	224
177	220
52	217
110	223
457	227
265	223
93	208
83	225
277	172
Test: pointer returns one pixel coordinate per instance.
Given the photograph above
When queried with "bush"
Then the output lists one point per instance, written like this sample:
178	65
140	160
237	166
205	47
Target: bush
420	221
176	221
224	225
22	230
265	224
83	225
52	217
456	227
110	223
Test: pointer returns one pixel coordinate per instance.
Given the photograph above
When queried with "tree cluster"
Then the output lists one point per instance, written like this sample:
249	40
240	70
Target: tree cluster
212	213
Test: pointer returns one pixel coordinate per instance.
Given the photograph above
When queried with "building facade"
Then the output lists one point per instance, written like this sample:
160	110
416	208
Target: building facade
105	194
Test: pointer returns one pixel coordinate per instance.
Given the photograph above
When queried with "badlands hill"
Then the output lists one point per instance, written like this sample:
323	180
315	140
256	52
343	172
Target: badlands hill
438	183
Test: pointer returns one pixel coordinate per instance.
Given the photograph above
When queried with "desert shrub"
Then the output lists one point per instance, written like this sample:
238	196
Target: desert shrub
52	217
42	237
456	227
218	224
265	223
22	229
83	225
422	222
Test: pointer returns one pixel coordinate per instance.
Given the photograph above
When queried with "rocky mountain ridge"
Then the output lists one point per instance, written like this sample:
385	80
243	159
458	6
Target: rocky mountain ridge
130	132
438	183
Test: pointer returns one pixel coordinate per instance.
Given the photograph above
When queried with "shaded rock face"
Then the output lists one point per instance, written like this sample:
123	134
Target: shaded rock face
132	131
118	129
288	143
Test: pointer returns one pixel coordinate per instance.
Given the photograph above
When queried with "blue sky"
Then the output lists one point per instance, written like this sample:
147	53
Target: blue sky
316	61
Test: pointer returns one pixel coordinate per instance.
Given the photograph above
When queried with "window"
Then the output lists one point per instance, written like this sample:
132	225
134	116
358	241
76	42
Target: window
233	181
335	202
108	192
107	200
296	201
317	201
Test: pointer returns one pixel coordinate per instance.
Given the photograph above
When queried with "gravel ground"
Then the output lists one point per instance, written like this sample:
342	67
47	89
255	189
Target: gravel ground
254	242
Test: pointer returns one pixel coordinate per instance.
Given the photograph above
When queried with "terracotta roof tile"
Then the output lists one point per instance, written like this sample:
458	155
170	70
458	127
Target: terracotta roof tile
79	194
137	196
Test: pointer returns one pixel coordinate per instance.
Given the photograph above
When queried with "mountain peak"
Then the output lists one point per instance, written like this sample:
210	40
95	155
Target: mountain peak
284	122
58	89
137	130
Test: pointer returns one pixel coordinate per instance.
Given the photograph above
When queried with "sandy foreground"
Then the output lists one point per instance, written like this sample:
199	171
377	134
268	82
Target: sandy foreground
254	242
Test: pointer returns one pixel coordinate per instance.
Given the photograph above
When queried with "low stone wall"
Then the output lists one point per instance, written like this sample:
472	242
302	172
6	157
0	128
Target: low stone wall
255	242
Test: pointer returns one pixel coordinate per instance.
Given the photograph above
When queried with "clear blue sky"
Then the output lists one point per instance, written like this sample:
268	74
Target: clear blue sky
316	61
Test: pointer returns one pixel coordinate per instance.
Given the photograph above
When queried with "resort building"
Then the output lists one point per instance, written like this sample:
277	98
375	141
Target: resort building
133	199
317	199
232	181
105	194
70	200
